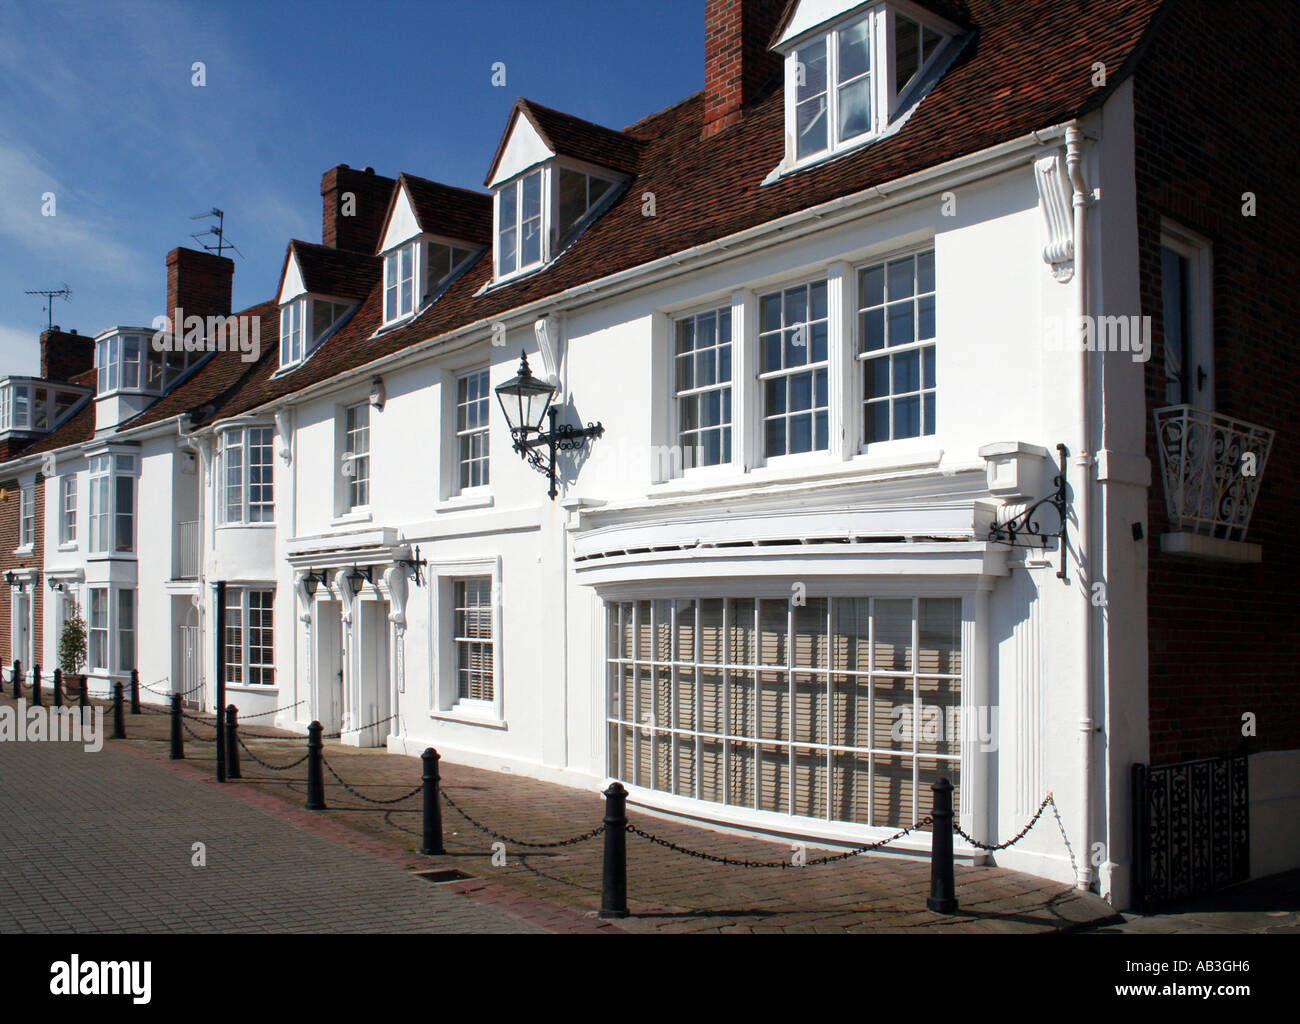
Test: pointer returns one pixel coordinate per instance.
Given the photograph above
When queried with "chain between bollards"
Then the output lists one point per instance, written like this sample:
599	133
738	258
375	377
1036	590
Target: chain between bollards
119	722
232	742
432	843
178	738
315	771
135	691
613	887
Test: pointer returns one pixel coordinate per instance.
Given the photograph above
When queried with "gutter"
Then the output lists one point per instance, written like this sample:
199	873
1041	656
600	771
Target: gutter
914	186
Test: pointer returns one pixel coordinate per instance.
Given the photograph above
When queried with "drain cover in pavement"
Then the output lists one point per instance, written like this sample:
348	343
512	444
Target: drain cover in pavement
446	875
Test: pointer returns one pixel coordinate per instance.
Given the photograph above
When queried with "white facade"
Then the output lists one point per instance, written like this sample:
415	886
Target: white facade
901	523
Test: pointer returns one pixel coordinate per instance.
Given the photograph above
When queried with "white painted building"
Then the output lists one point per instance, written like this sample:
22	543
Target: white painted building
769	596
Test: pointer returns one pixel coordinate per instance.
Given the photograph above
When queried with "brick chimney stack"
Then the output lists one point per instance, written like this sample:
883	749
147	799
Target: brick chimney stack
199	283
64	354
738	66
353	205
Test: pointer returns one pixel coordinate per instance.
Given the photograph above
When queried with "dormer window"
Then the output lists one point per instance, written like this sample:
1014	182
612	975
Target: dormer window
519	224
140	362
417	271
848	81
399	283
304	323
33	406
541	211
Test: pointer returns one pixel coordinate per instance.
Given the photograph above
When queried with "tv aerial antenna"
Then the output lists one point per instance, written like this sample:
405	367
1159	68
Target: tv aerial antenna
50	295
219	230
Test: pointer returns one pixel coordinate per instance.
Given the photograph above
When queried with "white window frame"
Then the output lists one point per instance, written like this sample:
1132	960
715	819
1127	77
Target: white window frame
292	328
350	460
394	279
447	703
853	339
120	640
516	185
240	439
27	517
729	427
965	755
886	101
462	435
108	471
762	376
241	599
1199	253
68	509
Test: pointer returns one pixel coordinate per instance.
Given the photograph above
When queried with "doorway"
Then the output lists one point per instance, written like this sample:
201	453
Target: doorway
328	679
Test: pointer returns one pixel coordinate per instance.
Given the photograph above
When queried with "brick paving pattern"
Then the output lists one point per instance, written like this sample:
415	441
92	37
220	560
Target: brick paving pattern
559	890
101	842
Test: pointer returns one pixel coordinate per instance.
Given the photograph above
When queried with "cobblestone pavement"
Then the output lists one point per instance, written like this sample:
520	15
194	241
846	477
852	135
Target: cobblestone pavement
1265	906
102	842
559	889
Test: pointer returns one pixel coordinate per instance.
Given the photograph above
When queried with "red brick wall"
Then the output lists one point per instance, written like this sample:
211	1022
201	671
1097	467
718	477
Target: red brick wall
359	232
738	65
9	514
1215	118
198	283
65	354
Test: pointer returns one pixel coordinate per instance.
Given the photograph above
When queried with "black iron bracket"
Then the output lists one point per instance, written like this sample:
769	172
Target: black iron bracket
1024	526
539	450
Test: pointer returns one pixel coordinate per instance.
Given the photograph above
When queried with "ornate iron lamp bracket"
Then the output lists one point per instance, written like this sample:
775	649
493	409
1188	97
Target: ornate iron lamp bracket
539	450
1023	526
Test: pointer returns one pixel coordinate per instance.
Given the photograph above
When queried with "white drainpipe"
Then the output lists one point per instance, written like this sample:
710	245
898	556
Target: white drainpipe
1083	459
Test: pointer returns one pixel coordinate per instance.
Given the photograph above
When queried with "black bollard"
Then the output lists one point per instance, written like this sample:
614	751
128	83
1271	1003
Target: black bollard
18	678
613	888
83	695
315	771
135	692
232	742
58	688
178	741
943	891
119	721
36	685
432	807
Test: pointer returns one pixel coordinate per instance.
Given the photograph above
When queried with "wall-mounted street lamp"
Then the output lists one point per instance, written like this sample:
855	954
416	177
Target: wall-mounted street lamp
358	578
312	581
14	580
55	585
414	565
526	401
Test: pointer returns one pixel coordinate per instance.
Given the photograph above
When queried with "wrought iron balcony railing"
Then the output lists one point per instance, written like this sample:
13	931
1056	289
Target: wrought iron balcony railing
1212	467
185	556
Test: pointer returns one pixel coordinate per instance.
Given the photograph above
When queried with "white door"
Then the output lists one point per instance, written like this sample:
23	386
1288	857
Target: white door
373	663
191	667
328	677
22	606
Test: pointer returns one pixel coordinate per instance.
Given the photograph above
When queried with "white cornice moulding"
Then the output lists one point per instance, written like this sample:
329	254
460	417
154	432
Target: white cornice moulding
1054	200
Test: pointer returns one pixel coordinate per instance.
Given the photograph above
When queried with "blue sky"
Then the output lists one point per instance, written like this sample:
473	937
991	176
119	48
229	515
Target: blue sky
97	107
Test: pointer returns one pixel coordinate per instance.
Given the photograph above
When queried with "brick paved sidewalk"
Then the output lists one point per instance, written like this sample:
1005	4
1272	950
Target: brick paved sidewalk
667	891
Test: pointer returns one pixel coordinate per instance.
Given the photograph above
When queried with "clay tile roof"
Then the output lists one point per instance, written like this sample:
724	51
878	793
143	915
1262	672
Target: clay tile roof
571	136
327	271
456	213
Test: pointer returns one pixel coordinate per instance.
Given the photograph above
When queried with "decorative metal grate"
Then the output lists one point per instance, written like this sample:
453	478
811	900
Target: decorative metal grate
1212	466
1191	829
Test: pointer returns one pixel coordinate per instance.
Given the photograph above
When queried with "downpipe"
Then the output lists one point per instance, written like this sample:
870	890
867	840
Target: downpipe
1083	460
